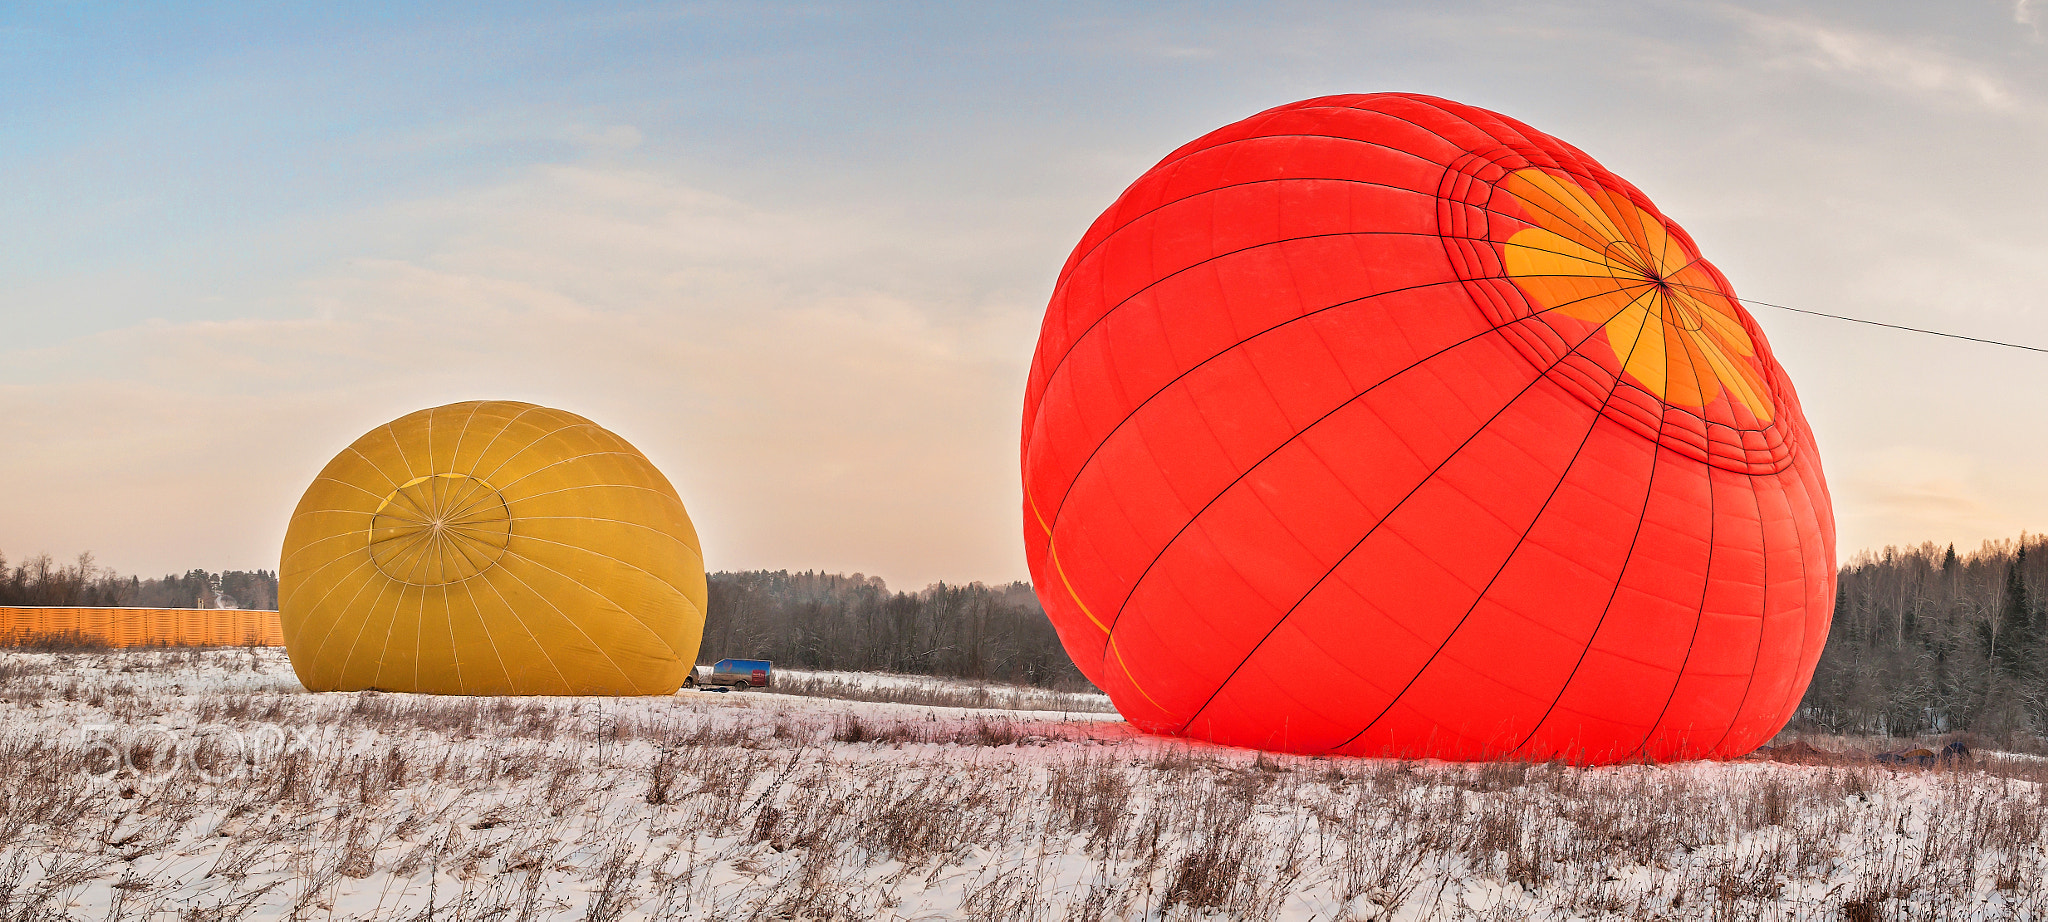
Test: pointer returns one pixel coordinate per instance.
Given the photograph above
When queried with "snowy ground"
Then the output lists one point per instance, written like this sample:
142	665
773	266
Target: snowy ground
203	785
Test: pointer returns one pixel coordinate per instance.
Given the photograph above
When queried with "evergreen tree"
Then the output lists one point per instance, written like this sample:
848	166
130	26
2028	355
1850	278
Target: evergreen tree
2019	641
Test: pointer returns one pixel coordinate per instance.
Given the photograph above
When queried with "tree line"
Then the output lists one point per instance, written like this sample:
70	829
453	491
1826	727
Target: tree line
1926	640
807	620
829	621
42	581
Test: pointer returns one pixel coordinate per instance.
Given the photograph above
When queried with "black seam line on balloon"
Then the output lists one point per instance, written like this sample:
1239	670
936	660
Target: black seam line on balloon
1540	376
1572	219
1053	523
1176	162
1275	114
1793	690
1484	209
1172	161
1179	161
1763	620
1763	623
1075	341
1074	345
1077	261
1067	492
1642	516
1706	585
1770	386
1504	143
1169	203
1599	413
1664	252
1247	472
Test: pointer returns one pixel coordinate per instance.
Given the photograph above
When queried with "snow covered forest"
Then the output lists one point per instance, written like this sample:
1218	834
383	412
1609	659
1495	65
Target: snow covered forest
826	621
41	580
1927	640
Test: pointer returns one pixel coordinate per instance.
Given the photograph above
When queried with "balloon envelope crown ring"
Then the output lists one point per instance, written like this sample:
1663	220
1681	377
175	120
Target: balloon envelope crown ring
438	529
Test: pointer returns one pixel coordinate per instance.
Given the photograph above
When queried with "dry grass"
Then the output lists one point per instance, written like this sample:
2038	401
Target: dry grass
928	691
57	642
211	804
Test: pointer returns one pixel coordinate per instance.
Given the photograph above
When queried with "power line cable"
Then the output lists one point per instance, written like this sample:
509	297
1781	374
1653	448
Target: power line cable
1894	326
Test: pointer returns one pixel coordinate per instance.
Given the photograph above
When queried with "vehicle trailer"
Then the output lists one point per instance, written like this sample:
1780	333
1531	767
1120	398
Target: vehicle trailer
732	674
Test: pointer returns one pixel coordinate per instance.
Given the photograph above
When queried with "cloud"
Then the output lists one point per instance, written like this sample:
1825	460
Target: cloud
818	397
1884	62
1906	494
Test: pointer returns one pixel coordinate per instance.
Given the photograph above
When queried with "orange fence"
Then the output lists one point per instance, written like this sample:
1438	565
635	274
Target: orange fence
145	627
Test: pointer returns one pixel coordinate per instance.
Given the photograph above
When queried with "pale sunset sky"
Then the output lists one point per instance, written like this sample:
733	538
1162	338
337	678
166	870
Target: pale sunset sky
798	253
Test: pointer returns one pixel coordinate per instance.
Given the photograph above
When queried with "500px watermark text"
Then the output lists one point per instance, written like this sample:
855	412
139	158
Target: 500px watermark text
212	754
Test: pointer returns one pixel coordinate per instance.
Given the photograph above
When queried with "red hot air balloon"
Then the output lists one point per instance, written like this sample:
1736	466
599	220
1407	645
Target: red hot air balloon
1384	425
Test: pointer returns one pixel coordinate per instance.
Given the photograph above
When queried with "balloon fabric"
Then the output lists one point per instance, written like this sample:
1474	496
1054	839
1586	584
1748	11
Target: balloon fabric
1383	425
492	548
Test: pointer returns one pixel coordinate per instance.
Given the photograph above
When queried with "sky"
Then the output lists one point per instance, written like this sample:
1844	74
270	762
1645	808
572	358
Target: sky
798	253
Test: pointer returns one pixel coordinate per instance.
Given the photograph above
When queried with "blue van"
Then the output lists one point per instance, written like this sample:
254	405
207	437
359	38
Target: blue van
735	674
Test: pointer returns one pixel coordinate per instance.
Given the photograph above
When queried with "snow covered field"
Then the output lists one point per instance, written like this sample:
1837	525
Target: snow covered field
209	785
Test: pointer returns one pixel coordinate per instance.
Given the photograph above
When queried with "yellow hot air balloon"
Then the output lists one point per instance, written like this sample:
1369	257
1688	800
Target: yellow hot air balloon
492	548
